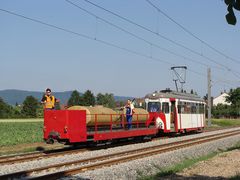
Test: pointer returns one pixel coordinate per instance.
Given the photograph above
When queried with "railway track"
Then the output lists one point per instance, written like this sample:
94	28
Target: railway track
111	159
19	158
37	155
11	159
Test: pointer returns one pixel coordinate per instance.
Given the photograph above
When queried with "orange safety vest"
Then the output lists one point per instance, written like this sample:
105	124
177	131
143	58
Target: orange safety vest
49	102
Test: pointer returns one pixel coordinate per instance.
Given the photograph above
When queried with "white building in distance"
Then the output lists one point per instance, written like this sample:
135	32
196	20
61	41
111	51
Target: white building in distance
221	99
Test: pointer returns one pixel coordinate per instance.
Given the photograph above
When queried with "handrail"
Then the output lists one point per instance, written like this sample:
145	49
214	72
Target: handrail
121	121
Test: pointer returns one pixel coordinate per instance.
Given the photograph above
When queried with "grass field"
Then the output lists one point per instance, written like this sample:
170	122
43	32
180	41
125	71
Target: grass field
20	131
226	122
13	133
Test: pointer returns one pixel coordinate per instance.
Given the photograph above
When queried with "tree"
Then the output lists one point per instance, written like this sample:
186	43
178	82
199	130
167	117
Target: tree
88	98
234	97
100	99
5	109
205	97
30	106
230	111
230	17
40	110
106	100
110	100
75	99
221	111
120	103
57	106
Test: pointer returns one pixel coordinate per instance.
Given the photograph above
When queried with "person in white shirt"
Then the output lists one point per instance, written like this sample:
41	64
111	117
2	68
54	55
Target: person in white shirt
129	113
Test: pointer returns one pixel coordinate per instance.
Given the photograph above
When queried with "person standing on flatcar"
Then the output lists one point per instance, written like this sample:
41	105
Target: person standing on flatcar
48	100
129	113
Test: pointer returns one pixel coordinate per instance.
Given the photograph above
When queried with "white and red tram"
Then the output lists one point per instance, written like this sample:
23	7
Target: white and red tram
183	111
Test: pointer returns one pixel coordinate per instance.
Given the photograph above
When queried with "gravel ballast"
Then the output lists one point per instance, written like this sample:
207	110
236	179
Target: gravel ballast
136	168
152	165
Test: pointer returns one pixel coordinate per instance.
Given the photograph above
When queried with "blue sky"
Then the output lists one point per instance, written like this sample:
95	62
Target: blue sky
34	56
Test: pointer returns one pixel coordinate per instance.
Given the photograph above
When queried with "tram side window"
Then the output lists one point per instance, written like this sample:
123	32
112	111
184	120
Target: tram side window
165	107
187	108
201	109
197	108
193	108
180	107
154	106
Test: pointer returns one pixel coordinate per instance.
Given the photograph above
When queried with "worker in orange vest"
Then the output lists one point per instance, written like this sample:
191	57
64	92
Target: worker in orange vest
48	100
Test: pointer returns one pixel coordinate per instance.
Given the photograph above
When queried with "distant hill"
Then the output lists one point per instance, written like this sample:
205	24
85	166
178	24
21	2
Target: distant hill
13	96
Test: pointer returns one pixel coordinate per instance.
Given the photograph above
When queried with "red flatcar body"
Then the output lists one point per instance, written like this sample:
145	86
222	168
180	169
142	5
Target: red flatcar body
69	126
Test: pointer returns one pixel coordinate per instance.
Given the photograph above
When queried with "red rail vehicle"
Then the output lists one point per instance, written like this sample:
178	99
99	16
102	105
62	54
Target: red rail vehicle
168	111
70	126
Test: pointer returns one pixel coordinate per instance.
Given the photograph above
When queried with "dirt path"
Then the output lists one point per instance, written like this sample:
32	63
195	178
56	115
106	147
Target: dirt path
222	166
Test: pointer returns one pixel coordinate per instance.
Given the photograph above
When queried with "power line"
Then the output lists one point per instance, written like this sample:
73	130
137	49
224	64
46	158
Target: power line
85	36
46	24
226	83
94	39
190	33
155	33
136	36
235	73
198	73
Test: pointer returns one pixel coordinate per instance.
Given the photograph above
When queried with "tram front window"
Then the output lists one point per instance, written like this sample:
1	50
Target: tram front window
154	107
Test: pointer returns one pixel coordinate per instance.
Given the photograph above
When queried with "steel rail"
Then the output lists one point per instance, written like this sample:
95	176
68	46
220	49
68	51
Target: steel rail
128	157
36	155
18	158
125	155
11	159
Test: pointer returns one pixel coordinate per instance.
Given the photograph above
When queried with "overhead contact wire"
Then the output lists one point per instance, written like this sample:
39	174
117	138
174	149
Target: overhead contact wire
84	36
91	38
190	33
134	35
155	33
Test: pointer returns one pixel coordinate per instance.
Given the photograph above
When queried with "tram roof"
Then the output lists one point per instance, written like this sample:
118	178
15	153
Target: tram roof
174	94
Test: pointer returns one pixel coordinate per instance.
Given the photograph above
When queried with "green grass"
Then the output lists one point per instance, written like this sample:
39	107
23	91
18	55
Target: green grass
185	164
237	146
177	168
13	133
237	177
20	131
226	122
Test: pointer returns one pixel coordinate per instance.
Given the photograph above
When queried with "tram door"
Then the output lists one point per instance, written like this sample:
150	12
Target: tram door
173	115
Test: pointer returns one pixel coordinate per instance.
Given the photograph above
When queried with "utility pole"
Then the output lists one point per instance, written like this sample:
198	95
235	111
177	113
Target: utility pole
209	97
